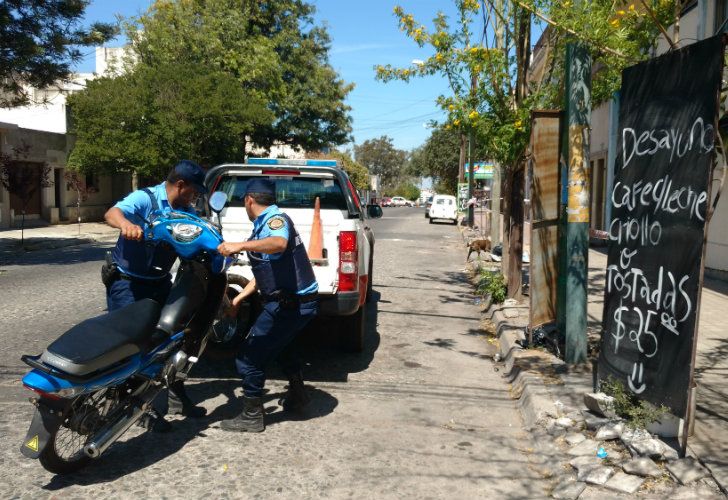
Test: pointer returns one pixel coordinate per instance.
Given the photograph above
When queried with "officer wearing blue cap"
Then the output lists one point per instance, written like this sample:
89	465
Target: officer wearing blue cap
284	276
138	271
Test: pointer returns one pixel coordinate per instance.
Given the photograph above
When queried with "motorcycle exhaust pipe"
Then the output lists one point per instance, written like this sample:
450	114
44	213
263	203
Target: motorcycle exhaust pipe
107	436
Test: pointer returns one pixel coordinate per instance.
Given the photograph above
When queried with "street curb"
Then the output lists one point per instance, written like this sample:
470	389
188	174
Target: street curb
53	244
13	247
528	387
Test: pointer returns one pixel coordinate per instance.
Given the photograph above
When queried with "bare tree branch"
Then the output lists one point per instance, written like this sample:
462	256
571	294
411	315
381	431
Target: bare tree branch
659	25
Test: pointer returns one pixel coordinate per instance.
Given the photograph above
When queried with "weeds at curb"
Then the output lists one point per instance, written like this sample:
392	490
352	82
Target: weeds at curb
637	414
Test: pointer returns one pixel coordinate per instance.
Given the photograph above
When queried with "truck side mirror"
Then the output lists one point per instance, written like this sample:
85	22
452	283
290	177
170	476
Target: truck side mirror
374	211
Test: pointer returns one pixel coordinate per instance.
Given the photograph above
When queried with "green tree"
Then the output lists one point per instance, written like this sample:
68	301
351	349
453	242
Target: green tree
273	48
147	120
438	158
357	172
381	158
488	100
618	35
41	40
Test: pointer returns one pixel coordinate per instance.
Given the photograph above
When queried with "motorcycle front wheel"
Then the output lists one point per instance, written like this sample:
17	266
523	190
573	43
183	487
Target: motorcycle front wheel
226	334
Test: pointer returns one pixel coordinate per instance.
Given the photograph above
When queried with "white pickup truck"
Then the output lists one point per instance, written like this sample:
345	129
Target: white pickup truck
344	274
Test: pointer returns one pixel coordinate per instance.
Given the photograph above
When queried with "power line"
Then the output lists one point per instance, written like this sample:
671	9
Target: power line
407	119
388	113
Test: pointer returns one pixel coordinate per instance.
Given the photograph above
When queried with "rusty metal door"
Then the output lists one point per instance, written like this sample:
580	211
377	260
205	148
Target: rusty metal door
544	191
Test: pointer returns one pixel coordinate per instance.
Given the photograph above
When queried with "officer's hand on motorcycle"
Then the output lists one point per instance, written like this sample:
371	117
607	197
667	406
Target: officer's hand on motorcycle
132	232
226	248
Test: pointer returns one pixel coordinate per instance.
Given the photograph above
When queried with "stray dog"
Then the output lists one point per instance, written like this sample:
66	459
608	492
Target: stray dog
478	246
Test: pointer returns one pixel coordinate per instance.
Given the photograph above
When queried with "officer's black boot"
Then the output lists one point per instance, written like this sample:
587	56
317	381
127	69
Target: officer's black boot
180	403
249	420
296	398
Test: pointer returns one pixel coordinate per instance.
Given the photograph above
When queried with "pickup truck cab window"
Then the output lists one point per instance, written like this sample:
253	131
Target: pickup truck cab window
291	192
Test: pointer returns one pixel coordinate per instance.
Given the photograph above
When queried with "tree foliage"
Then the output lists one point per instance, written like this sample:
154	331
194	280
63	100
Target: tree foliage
150	118
482	80
381	158
438	158
204	78
357	172
41	40
272	48
405	189
618	35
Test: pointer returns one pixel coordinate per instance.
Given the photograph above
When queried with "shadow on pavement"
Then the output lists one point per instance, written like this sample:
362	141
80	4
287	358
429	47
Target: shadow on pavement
321	355
86	252
147	448
322	359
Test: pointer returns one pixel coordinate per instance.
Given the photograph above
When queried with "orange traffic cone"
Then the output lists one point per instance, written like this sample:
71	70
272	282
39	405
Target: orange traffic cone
316	245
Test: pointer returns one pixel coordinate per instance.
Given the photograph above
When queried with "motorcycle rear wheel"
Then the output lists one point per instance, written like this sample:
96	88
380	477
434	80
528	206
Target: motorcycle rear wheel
83	418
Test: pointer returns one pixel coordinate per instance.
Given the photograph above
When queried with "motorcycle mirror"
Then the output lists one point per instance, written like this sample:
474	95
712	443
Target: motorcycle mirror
217	201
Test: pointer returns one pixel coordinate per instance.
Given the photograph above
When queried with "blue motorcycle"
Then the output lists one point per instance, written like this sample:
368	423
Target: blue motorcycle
97	379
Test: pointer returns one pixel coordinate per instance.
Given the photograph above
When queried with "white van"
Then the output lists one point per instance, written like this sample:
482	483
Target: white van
444	207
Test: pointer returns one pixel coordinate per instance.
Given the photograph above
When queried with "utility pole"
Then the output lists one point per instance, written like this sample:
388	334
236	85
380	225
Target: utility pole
471	168
574	233
495	191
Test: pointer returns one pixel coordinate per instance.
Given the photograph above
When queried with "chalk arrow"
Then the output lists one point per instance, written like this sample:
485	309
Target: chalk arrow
636	377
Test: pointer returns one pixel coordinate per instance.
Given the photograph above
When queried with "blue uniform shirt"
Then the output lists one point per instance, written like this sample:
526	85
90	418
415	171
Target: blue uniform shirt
137	206
269	223
130	256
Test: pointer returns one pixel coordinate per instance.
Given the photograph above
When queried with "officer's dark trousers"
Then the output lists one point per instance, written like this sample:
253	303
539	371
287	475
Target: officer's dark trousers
124	292
272	332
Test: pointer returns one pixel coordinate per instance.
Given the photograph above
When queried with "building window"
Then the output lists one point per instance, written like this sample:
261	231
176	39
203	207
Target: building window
91	181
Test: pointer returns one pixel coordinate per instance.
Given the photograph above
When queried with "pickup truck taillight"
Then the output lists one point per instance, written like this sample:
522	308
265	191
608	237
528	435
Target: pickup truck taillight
348	261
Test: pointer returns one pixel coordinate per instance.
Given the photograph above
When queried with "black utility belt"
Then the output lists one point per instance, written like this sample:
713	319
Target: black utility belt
129	277
290	299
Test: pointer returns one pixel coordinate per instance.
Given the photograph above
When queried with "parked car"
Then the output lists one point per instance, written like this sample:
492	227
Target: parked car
428	204
398	201
386	201
444	206
344	274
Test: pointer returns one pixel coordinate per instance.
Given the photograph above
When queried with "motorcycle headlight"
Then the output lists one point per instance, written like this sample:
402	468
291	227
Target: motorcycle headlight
184	233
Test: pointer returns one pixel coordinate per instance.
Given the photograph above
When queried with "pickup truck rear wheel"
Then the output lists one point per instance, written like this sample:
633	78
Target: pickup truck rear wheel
352	330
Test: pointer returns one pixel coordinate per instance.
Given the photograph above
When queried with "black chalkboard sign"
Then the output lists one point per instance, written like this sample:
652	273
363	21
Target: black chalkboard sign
667	118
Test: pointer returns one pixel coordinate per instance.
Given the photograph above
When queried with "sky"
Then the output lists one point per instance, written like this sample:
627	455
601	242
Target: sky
363	33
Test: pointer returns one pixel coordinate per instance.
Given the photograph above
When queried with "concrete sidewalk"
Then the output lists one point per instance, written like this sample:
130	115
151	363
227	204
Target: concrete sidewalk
546	382
55	236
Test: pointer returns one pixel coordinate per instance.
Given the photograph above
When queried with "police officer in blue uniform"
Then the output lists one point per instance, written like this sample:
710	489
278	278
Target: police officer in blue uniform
284	277
139	271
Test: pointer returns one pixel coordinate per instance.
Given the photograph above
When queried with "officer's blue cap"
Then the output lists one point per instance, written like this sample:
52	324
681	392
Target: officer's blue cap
192	173
262	186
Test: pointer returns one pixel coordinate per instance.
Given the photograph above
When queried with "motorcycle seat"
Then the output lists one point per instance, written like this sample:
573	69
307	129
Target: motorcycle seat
97	343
